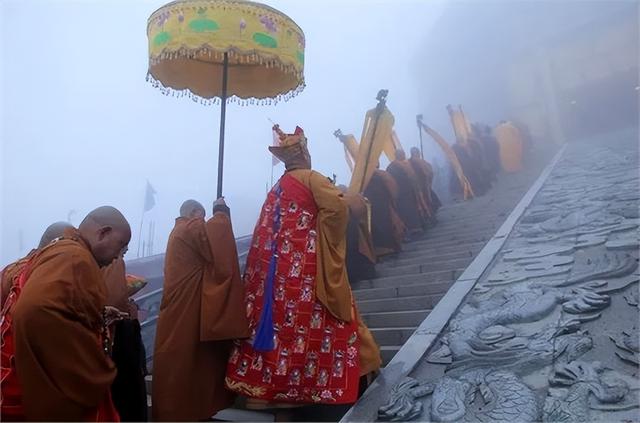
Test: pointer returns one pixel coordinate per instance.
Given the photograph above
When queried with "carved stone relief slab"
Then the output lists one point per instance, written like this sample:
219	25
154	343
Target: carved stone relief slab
550	332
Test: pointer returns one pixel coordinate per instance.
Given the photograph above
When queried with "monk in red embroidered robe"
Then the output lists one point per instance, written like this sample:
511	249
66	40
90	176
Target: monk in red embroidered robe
59	323
424	173
387	228
11	397
201	312
411	204
307	341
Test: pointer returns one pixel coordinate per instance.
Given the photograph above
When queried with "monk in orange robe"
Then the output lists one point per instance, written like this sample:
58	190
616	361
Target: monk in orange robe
510	145
361	257
11	397
53	231
387	228
202	310
307	345
424	172
411	205
490	147
60	323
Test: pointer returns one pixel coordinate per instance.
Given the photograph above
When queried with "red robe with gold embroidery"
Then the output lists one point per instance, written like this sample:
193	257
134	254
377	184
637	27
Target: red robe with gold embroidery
314	356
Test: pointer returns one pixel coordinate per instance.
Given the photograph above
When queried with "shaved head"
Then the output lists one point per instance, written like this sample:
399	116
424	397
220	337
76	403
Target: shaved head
191	209
400	155
415	152
107	216
107	232
53	231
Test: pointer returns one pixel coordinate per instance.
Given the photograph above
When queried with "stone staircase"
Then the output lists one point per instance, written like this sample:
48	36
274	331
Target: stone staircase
407	287
409	284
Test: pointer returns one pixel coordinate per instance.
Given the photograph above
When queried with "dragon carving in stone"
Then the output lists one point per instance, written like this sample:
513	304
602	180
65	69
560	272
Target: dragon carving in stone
479	341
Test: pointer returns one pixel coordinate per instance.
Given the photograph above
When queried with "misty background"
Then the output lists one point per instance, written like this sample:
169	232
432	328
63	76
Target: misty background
80	127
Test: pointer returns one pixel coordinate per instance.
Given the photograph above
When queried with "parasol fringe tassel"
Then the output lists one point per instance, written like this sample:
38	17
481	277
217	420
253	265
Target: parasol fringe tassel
168	91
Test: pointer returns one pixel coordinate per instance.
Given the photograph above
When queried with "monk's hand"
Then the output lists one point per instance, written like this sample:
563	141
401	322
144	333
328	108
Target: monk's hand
112	315
221	206
133	309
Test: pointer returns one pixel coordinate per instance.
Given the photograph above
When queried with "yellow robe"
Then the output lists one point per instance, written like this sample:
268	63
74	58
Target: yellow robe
332	283
510	145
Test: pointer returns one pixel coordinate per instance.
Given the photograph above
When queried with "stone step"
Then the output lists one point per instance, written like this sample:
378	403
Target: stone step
443	235
448	219
392	336
426	267
242	415
226	415
451	242
410	279
401	291
429	258
458	225
413	249
387	352
395	318
418	302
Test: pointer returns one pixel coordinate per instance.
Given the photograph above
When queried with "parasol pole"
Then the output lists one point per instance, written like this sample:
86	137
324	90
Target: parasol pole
419	122
382	100
223	113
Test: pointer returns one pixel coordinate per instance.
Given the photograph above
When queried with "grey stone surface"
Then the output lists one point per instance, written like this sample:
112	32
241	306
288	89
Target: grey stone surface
543	326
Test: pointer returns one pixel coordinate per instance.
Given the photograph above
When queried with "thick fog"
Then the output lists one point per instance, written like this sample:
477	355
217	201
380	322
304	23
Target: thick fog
82	128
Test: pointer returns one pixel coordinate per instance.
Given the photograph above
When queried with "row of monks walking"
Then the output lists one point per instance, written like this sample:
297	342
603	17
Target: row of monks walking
287	333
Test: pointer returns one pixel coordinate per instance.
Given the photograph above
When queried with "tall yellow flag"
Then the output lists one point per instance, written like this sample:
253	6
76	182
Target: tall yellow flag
453	159
350	145
461	127
376	133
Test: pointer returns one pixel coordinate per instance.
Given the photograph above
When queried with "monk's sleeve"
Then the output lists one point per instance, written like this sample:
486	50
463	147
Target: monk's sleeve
62	369
222	308
115	278
332	283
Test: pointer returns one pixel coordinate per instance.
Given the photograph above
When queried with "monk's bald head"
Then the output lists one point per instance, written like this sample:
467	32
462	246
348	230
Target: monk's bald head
53	231
400	155
415	152
107	232
191	209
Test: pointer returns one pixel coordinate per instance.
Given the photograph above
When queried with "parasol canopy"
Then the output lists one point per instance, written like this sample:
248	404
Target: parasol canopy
188	40
219	50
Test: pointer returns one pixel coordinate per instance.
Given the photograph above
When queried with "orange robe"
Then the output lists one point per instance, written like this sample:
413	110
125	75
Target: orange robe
361	258
63	371
424	173
116	282
202	309
411	204
510	146
387	228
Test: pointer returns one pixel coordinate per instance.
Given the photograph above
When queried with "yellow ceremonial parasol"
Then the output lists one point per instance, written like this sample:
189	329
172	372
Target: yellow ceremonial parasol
218	50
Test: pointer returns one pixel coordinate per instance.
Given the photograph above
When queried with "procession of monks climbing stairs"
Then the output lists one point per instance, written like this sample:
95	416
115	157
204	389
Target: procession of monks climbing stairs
407	285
